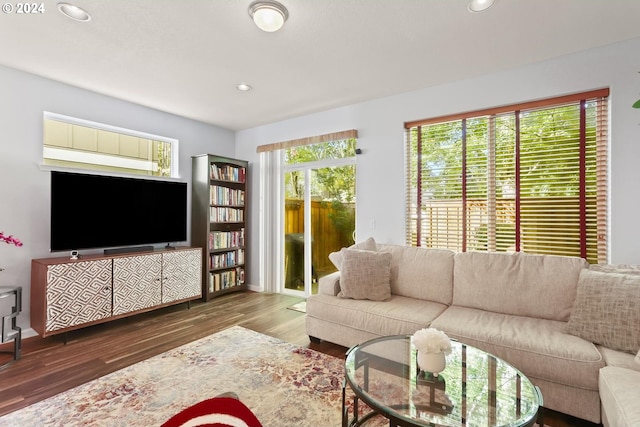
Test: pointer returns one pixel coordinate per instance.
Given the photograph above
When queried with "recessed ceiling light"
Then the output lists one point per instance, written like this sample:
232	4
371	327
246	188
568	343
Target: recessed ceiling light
74	12
479	5
268	15
243	87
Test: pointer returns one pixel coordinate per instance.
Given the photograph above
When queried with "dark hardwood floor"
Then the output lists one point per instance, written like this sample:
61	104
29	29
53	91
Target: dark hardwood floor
49	366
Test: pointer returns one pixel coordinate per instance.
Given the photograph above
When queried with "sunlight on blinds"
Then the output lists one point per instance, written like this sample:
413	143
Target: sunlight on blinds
530	180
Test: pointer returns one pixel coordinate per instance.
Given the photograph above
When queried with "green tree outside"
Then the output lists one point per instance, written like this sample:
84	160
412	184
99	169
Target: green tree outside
549	170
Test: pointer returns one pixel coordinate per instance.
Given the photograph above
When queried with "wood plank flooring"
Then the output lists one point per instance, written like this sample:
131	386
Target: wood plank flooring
49	366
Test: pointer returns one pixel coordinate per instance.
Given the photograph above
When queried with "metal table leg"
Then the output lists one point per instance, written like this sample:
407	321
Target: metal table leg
10	329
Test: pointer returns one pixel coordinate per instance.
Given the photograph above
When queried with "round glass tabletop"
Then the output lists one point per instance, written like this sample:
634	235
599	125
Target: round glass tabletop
475	388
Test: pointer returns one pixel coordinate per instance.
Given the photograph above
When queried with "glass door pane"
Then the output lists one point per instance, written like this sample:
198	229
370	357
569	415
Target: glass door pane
323	198
333	216
319	211
294	213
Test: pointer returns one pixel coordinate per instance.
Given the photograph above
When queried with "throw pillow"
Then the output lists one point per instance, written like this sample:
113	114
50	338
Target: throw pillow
637	358
607	310
616	268
218	411
367	245
365	275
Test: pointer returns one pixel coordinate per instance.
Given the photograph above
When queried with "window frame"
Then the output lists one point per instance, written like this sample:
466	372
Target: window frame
174	143
414	178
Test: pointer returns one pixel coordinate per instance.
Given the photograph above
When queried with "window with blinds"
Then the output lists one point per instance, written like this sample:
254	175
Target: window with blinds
530	178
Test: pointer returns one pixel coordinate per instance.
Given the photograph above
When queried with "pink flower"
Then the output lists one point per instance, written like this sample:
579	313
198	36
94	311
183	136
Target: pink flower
10	240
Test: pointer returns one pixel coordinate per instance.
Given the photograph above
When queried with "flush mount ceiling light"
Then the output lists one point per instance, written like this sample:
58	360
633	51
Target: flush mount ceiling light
74	12
243	87
268	15
479	5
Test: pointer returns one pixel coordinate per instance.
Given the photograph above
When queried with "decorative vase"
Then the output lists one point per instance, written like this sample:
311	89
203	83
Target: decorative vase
432	362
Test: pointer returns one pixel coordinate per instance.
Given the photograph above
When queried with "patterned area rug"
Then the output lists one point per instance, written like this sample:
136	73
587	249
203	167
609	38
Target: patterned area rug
284	385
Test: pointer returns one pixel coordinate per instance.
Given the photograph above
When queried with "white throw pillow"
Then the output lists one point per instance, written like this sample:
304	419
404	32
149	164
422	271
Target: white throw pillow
365	275
367	245
637	358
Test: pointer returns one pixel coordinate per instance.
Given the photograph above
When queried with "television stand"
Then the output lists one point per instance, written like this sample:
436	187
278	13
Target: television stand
115	251
68	295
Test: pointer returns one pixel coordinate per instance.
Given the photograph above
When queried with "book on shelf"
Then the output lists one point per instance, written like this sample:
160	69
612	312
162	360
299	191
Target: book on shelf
226	239
221	195
226	259
226	279
227	173
223	214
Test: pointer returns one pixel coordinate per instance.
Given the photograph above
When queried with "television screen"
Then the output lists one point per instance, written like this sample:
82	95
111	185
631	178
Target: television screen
96	211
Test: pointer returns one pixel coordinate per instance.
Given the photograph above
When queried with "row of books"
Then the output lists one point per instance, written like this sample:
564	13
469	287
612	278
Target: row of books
226	196
226	259
226	279
227	173
226	239
221	214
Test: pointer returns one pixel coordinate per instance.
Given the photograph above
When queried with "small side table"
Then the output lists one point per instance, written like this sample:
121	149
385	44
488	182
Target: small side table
11	331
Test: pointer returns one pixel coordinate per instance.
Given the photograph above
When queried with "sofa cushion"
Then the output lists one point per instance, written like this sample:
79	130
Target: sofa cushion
366	245
538	347
607	310
365	275
399	315
620	394
542	286
621	359
329	284
421	273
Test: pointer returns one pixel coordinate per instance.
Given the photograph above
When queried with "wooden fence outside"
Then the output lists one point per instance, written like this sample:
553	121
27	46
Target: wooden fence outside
326	236
548	226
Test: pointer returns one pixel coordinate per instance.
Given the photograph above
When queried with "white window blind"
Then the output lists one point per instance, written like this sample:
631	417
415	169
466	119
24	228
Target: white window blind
530	177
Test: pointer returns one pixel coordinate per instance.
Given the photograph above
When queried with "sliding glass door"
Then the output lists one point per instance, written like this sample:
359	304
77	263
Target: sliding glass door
319	215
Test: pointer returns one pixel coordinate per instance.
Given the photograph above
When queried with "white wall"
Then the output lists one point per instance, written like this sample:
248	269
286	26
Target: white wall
380	169
24	188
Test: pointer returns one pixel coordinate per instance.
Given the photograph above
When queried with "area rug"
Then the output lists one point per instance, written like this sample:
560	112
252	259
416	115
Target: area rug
301	307
283	384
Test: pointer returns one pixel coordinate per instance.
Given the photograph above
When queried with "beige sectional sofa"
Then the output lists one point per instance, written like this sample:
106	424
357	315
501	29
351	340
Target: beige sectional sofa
530	310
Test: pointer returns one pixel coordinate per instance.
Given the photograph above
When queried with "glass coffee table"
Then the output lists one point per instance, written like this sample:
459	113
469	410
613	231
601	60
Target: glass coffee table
475	389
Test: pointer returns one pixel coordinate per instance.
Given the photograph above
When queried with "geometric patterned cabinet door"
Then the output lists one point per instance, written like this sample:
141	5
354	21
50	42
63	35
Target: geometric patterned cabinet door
68	295
137	283
77	293
181	275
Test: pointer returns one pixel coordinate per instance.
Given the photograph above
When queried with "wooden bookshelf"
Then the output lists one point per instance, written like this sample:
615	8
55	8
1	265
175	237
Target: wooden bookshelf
218	222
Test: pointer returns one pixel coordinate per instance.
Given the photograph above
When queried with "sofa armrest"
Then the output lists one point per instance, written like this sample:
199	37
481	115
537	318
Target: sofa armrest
329	284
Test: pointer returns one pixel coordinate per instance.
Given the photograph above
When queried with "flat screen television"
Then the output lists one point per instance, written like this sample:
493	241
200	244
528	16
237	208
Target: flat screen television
97	211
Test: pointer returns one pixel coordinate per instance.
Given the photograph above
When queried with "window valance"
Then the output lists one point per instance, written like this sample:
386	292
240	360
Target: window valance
336	136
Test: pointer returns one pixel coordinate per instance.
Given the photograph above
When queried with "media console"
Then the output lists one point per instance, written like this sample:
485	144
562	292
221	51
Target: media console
70	294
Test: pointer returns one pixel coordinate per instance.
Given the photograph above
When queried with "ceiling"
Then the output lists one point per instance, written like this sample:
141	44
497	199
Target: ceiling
186	56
